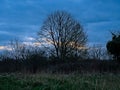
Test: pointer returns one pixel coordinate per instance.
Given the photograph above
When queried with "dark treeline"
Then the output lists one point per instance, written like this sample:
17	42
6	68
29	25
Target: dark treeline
65	50
35	62
30	59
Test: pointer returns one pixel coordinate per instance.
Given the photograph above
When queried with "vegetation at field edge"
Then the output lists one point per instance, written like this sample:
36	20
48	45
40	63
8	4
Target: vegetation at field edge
59	82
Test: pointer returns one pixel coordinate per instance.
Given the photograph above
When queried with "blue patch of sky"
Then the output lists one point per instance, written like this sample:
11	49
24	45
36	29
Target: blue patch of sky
22	18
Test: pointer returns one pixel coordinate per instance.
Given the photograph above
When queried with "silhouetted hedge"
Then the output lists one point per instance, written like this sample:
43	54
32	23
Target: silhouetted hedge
42	64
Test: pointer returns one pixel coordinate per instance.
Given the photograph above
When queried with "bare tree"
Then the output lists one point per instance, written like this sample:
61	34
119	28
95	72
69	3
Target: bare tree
98	52
95	52
20	51
64	33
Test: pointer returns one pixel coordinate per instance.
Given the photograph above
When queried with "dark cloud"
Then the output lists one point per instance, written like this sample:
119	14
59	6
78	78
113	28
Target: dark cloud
23	18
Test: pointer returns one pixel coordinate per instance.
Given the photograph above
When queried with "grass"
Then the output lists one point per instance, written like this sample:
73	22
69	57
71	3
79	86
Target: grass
59	82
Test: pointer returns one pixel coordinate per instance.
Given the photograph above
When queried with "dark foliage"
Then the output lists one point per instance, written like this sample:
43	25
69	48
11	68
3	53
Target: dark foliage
113	46
41	64
85	66
32	61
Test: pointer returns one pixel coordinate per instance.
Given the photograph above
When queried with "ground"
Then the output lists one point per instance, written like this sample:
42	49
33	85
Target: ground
44	81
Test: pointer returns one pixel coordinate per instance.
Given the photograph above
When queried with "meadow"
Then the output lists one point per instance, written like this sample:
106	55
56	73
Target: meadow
44	81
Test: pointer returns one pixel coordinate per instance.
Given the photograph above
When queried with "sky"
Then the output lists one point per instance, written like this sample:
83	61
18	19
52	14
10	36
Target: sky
22	19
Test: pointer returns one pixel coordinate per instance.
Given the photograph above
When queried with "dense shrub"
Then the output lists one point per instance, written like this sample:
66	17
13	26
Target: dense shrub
113	46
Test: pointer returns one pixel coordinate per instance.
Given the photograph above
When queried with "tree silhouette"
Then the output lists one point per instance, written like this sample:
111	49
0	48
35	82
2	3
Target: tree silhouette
113	46
64	33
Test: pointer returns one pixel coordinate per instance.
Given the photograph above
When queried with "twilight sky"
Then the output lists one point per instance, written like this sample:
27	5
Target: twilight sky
23	18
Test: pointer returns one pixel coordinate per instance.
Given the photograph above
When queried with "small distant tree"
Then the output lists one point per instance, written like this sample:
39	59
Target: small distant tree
64	33
95	52
113	46
98	52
